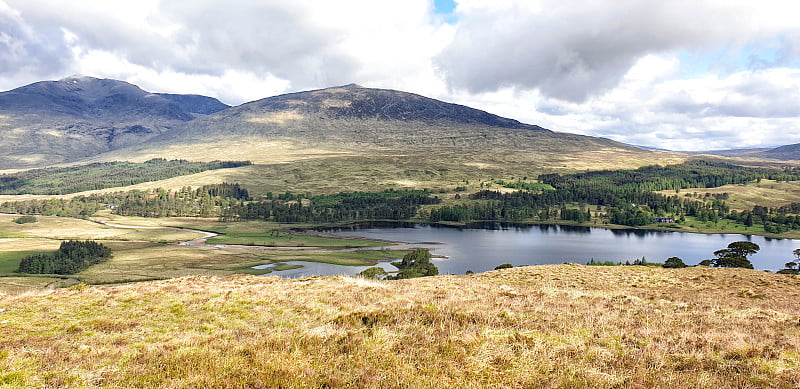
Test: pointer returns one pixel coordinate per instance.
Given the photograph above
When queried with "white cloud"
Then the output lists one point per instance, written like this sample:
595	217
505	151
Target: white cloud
648	107
579	49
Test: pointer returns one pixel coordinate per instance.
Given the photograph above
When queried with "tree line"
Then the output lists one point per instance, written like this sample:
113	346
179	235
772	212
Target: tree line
344	206
628	198
231	202
101	175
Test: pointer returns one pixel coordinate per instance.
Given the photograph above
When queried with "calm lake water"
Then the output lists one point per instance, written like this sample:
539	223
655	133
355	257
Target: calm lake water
482	249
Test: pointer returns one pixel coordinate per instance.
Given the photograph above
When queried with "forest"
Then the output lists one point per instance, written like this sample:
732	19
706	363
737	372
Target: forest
627	197
101	175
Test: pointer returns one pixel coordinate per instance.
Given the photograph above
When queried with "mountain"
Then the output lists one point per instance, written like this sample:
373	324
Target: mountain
780	153
50	122
784	153
747	152
356	138
356	102
353	118
90	98
198	104
340	137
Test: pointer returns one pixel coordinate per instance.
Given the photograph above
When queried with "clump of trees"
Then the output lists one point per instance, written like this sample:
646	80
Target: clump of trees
416	264
72	257
25	219
735	255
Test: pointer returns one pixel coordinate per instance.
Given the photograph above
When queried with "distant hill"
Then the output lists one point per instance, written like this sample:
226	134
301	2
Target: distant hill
780	153
355	102
356	138
784	153
50	122
747	152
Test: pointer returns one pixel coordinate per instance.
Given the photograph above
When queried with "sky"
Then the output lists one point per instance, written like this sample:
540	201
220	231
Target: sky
678	74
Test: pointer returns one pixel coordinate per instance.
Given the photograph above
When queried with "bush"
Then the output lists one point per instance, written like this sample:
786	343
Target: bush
25	219
373	272
504	266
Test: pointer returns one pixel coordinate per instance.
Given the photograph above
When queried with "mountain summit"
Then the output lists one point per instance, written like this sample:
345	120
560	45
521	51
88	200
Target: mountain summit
356	102
50	122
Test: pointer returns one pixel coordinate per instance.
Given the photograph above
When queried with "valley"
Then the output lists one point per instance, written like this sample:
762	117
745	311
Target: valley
309	145
201	205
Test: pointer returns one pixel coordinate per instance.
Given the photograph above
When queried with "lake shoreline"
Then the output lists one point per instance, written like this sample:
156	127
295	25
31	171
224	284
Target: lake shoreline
478	224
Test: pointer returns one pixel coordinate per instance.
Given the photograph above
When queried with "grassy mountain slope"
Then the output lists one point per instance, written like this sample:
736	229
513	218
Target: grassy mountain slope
542	326
363	138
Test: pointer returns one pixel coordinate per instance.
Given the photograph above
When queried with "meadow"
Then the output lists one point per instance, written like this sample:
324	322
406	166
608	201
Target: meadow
543	326
744	197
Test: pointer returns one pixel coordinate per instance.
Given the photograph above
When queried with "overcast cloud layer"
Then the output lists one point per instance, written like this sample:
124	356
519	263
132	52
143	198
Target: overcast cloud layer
685	75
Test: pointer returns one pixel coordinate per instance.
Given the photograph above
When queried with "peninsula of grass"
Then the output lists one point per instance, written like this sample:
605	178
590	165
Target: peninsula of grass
566	326
286	239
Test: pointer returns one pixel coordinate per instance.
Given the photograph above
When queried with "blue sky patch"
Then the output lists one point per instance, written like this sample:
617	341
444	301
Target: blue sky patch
445	8
734	58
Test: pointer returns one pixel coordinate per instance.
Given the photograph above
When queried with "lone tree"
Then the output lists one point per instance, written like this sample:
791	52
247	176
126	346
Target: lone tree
792	267
674	263
735	255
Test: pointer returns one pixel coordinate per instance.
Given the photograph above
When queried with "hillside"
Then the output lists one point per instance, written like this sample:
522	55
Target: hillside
786	153
352	137
196	104
50	122
543	326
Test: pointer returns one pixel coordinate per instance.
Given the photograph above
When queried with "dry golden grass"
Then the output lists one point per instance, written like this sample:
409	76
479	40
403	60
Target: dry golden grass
54	227
766	193
564	326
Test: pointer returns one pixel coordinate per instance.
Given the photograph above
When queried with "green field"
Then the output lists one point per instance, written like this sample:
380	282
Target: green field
9	261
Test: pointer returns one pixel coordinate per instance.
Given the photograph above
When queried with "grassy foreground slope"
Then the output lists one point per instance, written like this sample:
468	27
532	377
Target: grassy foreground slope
544	326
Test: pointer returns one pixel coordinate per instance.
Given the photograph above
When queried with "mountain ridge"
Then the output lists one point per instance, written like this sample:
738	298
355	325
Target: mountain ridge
88	119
